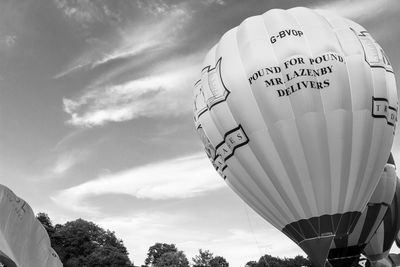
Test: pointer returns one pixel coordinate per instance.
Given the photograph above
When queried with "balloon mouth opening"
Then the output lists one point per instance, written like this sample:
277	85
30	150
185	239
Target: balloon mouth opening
317	235
345	256
336	225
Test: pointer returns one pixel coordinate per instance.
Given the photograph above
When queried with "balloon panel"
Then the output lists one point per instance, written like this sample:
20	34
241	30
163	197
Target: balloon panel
23	239
347	249
53	259
296	110
383	239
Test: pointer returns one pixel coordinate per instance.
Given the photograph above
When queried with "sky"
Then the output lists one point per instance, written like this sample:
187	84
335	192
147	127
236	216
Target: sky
96	117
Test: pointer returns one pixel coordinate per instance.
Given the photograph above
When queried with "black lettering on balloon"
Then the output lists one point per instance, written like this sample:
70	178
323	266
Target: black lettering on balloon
382	109
285	33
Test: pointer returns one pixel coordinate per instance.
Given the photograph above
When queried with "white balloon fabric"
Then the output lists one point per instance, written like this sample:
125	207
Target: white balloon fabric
296	109
23	240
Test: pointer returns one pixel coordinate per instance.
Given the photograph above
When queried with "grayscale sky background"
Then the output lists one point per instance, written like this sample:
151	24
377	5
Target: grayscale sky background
96	120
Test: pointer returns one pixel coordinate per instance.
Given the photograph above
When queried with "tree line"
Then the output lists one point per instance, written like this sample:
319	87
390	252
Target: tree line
85	244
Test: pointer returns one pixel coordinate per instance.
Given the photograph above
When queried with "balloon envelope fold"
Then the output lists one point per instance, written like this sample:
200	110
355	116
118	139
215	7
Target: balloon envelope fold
347	250
296	110
23	239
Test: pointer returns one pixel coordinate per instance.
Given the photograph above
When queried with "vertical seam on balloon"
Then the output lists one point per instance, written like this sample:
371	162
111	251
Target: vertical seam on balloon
326	124
268	126
259	204
254	181
320	98
299	136
351	102
293	115
215	118
387	94
323	110
351	108
372	71
263	168
299	180
371	76
353	222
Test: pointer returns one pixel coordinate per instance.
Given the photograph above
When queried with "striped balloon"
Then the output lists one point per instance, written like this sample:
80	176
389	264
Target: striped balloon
385	262
296	110
383	239
347	249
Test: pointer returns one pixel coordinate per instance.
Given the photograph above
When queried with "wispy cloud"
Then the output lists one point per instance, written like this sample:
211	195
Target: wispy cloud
10	40
217	2
135	39
154	7
163	7
83	11
158	95
67	160
173	179
355	9
7	42
254	238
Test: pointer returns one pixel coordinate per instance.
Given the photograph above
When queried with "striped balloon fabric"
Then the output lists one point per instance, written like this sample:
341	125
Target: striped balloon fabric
296	110
347	249
383	239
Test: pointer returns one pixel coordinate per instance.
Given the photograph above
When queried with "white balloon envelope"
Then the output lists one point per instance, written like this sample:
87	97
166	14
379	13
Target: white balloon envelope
23	240
296	109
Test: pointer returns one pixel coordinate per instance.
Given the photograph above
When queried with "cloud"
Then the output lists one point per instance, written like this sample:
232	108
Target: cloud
360	10
83	11
135	38
67	160
154	7
158	95
238	241
214	2
163	7
179	178
10	40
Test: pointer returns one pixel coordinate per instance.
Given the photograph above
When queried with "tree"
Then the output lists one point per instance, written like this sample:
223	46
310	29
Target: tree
219	261
251	264
45	220
270	261
207	259
107	256
83	243
156	251
172	259
300	261
47	224
203	259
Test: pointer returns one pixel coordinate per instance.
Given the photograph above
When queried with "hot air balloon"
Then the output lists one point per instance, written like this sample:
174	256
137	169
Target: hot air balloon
23	240
379	246
384	262
395	259
347	249
296	109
